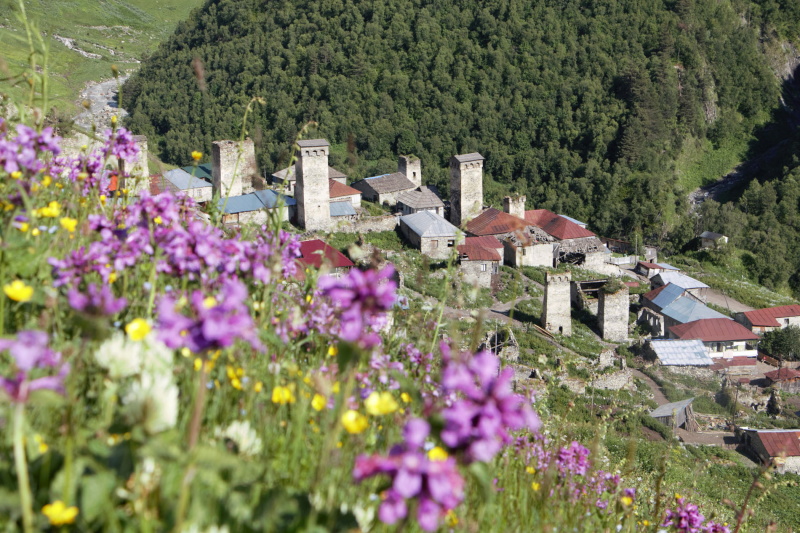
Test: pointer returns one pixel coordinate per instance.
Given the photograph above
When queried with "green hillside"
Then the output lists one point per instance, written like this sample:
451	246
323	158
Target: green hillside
121	32
583	106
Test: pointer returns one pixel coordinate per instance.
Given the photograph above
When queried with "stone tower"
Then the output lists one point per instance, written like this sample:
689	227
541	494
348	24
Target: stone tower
138	171
612	313
412	167
556	305
514	205
233	165
312	191
466	187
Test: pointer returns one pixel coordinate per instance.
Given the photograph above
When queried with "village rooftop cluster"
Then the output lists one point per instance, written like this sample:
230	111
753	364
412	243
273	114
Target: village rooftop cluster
688	336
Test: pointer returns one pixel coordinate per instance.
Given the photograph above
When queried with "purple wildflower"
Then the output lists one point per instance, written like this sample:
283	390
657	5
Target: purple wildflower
480	419
214	322
362	299
573	459
30	354
685	518
436	485
98	301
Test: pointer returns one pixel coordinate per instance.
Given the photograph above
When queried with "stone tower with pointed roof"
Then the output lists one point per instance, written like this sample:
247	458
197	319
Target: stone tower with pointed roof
312	191
466	187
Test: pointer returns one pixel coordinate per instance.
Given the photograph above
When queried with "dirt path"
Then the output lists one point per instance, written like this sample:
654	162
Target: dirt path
717	298
658	396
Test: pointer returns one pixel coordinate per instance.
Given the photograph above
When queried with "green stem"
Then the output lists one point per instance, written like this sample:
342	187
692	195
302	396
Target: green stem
25	498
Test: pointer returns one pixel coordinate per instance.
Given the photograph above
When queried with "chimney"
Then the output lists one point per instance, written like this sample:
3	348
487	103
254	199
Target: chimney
233	165
412	168
514	205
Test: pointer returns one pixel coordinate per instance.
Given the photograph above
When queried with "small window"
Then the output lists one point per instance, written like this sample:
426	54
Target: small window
483	267
785	321
434	244
450	244
523	251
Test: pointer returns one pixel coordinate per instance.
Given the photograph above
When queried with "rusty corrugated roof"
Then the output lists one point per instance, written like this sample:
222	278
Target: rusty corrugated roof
769	316
713	330
494	222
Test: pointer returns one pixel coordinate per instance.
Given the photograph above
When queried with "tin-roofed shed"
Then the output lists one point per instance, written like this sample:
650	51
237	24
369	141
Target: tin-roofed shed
431	233
677	415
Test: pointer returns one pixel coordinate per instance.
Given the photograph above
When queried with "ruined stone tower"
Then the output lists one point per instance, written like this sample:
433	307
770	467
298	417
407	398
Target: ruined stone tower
514	205
612	313
312	191
233	165
412	168
556	305
466	187
138	171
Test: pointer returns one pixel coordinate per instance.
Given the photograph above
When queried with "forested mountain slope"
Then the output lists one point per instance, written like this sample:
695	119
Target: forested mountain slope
581	105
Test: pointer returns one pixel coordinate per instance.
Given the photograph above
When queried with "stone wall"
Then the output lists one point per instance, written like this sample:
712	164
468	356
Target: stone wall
368	224
536	255
514	205
612	314
622	379
699	372
478	273
556	306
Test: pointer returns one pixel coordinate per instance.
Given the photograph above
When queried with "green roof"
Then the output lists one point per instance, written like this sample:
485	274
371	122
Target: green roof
200	171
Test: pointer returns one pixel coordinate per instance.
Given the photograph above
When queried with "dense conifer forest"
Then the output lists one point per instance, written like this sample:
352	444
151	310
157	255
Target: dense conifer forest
587	107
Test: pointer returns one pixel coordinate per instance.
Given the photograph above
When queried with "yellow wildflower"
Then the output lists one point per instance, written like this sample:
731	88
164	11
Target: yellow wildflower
69	224
59	514
627	501
197	156
236	384
336	388
18	291
406	397
46	181
158	220
451	519
380	403
103	199
333	350
209	302
354	422
308	298
530	470
16	175
282	395
24	227
52	210
137	329
59	186
318	402
112	277
535	486
36	232
82	176
437	454
258	386
113	119
645	522
43	447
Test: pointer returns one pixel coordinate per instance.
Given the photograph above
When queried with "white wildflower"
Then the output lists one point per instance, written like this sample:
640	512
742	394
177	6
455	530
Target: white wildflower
245	437
152	401
123	357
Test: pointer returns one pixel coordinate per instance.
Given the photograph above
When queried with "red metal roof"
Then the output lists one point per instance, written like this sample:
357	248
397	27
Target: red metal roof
556	225
768	317
652	294
720	363
650	266
494	222
478	253
780	442
312	254
337	190
487	241
783	374
713	330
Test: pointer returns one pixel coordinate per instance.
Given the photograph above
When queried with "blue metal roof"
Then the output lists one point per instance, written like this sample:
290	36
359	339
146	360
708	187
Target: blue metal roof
686	310
184	180
574	220
342	209
271	198
254	201
670	293
667	266
240	204
429	224
682	280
